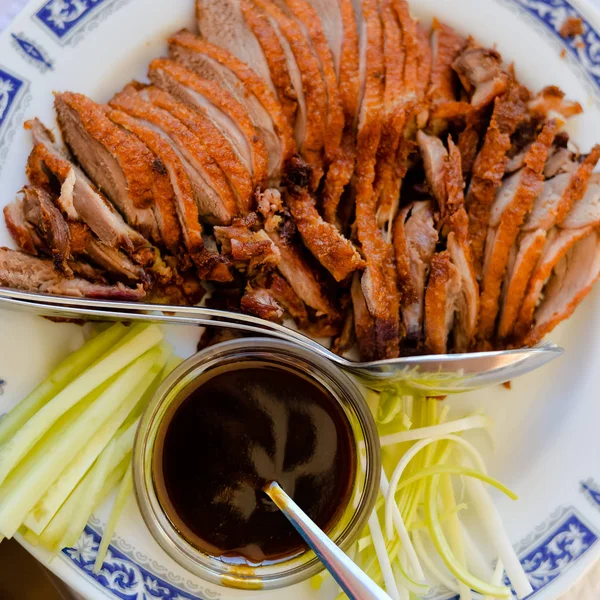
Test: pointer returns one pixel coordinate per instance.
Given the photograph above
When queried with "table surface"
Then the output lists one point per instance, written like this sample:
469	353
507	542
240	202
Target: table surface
587	589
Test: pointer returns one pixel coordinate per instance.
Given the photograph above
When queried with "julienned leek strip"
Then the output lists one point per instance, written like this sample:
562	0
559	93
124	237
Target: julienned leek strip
68	370
58	492
30	480
139	340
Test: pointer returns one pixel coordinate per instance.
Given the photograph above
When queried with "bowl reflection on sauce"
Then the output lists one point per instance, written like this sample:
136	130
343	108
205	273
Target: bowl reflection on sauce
350	518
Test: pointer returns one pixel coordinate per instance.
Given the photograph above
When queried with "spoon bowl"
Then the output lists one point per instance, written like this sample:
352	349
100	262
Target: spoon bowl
432	375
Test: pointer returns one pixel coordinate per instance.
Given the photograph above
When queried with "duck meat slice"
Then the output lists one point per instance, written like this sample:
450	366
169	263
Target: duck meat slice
24	272
222	23
21	230
550	103
228	115
300	275
481	74
513	201
119	164
285	296
249	89
446	45
415	240
312	124
78	198
111	260
336	253
40	210
456	222
489	167
441	297
424	67
434	155
216	145
250	251
214	197
378	281
364	323
410	46
575	195
572	279
176	194
387	190
259	302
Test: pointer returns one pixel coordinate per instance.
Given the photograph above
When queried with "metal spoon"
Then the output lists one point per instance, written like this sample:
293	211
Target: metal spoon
351	579
432	375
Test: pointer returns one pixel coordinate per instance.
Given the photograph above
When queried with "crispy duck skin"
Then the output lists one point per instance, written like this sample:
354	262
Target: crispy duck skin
456	221
301	277
226	113
336	253
215	63
446	46
440	302
378	281
287	84
550	102
216	145
311	23
513	201
176	194
571	281
364	323
387	191
40	211
312	124
550	208
118	163
489	166
21	271
558	244
434	155
213	195
79	199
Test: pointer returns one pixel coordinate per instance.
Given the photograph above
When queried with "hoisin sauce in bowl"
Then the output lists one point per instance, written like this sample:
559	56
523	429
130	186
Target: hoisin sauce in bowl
232	418
236	430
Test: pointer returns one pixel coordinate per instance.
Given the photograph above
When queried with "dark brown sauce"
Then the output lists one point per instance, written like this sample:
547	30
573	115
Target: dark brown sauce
237	430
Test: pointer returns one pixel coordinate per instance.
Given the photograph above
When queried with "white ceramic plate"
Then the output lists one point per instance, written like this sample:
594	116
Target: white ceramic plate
548	426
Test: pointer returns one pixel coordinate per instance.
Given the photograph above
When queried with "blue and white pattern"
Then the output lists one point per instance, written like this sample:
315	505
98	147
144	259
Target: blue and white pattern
123	577
592	491
65	19
32	52
13	101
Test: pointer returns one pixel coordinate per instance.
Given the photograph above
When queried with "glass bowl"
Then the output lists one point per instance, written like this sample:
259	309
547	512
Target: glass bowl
352	518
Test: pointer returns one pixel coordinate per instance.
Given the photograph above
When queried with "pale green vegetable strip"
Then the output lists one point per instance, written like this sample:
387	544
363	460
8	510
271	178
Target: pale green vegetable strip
382	556
31	538
35	480
456	470
58	492
93	489
456	426
454	531
403	581
125	489
441	545
67	371
143	338
443	517
475	557
400	527
492	524
432	568
52	535
11	490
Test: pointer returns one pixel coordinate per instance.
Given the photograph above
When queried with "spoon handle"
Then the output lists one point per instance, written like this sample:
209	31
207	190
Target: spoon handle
351	579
